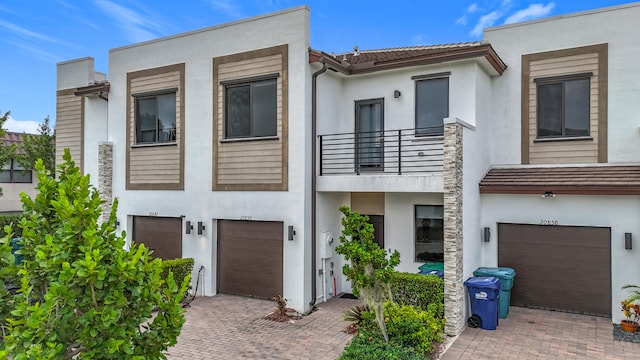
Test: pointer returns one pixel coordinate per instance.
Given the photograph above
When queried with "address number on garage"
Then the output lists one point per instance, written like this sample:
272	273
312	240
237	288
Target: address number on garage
548	222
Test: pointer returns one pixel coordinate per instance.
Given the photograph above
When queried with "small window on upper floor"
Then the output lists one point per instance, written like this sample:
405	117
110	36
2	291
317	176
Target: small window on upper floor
432	105
563	107
251	109
156	118
13	172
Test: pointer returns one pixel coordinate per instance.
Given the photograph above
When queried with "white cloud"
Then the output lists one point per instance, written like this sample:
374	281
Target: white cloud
534	11
418	39
227	7
485	21
20	126
136	26
462	20
22	32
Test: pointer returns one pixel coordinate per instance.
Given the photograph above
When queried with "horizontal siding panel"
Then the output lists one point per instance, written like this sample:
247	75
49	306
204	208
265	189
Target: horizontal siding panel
564	59
276	159
69	127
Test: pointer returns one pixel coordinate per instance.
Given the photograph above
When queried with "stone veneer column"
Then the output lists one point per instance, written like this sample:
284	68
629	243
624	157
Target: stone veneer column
105	177
453	276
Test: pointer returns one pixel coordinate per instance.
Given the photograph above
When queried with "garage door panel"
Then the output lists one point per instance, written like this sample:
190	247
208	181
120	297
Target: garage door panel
250	258
162	235
558	267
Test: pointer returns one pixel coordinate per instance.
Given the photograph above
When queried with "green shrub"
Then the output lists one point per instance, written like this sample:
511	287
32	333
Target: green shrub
413	327
425	292
13	221
370	346
180	268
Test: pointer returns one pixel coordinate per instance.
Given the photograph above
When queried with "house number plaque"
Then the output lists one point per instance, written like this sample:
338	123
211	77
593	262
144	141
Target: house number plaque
548	222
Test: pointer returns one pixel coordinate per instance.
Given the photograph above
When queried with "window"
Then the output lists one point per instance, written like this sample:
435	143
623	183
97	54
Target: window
251	109
429	239
432	105
156	119
563	107
13	172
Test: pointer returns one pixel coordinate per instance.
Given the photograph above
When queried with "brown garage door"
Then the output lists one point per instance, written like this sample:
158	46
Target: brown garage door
250	258
565	268
163	235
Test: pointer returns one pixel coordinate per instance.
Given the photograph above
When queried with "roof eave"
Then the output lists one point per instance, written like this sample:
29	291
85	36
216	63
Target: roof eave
93	89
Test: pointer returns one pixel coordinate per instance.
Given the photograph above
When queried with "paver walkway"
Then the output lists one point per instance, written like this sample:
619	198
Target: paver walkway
540	334
232	327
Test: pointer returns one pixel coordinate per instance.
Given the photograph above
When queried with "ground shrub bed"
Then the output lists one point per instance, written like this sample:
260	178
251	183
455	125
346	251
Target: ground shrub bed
367	345
12	221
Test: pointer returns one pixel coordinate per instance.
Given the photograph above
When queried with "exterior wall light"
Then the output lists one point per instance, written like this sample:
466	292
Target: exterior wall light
188	228
200	228
486	234
628	241
292	232
396	93
548	194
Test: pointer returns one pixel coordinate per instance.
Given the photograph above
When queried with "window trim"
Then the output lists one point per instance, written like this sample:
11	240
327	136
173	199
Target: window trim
154	95
435	130
244	82
562	80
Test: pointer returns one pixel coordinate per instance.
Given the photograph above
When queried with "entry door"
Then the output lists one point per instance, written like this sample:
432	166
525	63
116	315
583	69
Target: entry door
369	135
378	229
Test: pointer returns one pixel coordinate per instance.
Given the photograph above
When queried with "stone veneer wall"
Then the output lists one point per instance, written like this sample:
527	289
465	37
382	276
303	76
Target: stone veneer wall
453	276
105	177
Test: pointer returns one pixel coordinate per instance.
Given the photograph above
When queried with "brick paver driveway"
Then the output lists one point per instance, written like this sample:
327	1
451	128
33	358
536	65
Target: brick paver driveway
232	327
540	334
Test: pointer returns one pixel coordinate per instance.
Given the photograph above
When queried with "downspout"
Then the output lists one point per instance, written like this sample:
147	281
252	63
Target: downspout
313	182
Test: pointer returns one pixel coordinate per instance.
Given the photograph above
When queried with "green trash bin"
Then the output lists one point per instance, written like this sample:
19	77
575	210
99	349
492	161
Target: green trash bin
16	245
506	275
432	265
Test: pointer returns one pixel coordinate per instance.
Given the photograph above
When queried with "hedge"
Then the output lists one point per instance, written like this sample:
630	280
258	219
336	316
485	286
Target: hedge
180	269
11	220
418	290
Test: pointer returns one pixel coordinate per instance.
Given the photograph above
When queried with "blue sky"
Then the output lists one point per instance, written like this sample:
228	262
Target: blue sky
36	34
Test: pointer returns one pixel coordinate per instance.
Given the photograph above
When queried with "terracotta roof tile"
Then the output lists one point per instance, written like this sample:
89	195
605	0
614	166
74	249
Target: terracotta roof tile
587	180
13	138
390	54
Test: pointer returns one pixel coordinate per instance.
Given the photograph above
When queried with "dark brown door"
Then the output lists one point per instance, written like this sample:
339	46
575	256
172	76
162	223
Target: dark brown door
566	268
378	228
250	258
162	235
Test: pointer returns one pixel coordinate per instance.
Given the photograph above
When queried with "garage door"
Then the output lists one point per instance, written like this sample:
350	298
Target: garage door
565	268
163	235
250	258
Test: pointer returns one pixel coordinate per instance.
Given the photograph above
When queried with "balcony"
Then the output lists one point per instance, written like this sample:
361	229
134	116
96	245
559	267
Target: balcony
408	151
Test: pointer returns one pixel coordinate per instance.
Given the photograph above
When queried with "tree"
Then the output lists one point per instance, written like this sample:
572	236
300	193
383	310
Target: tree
6	152
370	269
82	294
40	146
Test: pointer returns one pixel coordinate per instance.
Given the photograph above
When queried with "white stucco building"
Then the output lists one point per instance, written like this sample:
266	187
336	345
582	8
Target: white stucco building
239	153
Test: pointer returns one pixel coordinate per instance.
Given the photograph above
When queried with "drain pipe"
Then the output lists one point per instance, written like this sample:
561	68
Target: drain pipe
314	84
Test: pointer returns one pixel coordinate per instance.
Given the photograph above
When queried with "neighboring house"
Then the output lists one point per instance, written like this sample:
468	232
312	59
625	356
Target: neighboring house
14	178
239	153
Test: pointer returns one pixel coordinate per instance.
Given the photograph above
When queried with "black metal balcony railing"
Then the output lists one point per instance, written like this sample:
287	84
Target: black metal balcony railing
388	152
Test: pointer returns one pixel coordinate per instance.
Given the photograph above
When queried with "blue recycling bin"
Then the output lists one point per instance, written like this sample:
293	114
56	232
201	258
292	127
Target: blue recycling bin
484	293
438	273
505	275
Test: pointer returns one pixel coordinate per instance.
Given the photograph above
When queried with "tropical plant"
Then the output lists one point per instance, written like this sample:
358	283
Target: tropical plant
630	310
367	265
354	313
281	304
82	294
6	152
41	146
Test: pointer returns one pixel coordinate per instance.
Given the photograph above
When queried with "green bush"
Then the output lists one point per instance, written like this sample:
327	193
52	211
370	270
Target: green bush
413	327
370	346
180	268
13	221
425	292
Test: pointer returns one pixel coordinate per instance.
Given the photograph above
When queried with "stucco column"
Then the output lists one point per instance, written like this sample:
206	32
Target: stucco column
105	177
453	276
